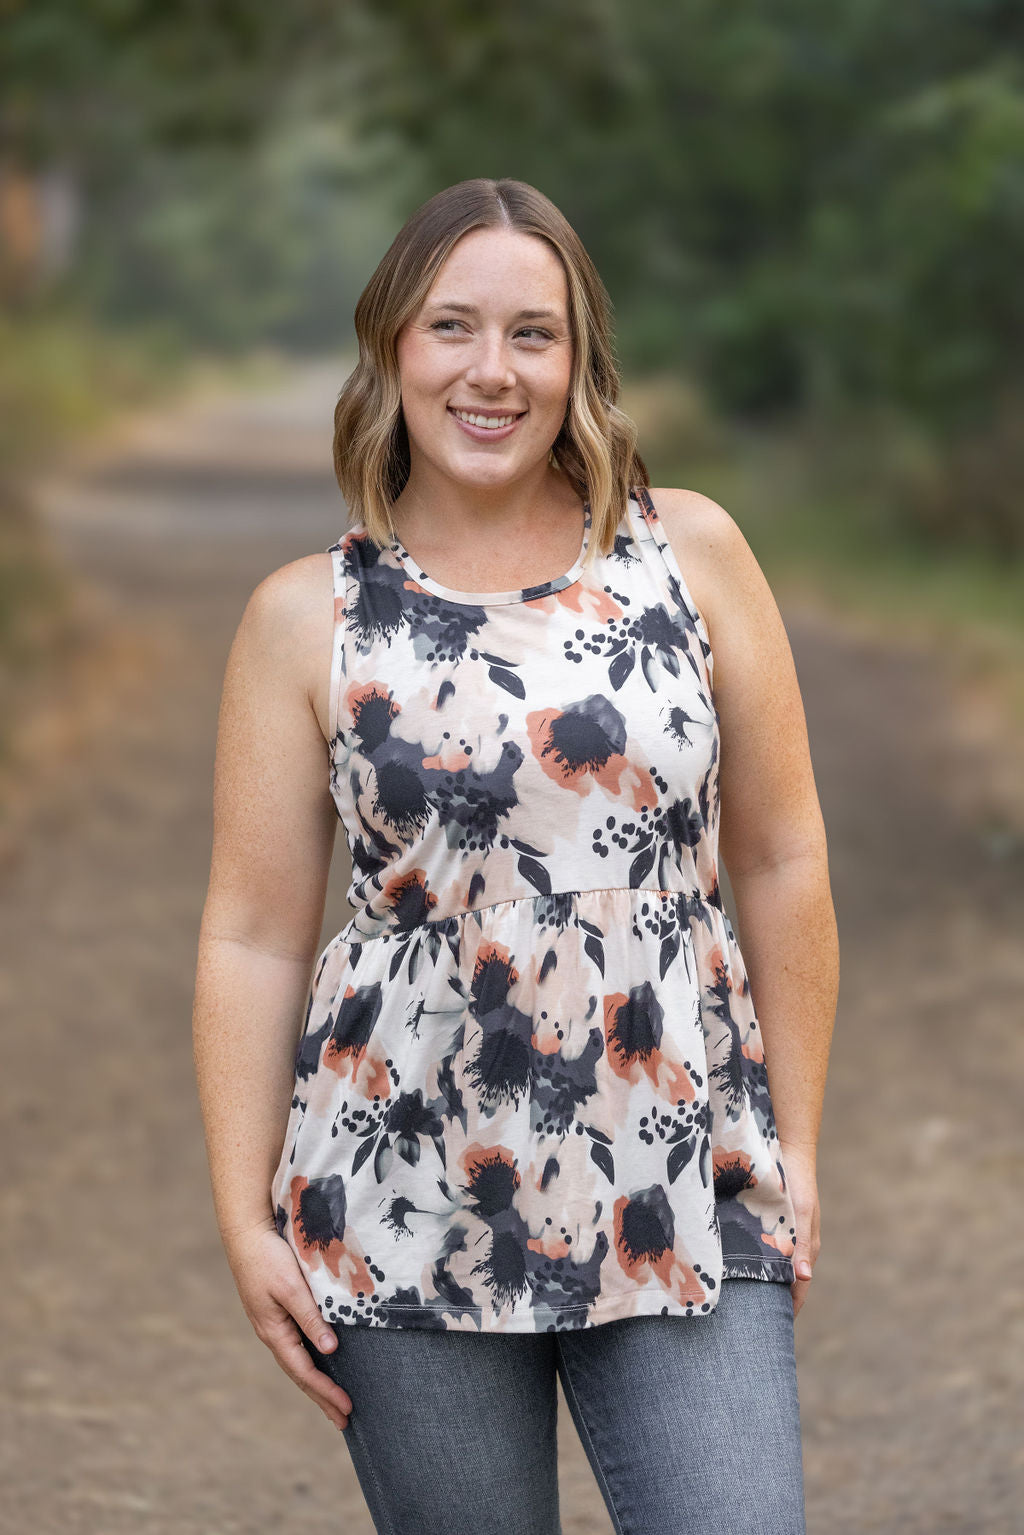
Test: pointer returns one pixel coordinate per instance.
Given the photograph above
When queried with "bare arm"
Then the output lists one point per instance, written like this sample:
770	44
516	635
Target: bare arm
772	835
273	834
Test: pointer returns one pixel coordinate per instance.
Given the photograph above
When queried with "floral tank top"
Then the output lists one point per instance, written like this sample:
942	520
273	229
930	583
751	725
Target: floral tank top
530	1090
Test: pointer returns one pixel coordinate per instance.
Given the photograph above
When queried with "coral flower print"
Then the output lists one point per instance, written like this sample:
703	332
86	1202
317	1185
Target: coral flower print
530	1091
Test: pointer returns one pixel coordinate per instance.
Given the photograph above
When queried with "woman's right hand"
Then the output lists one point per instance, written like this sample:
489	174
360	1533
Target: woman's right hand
280	1306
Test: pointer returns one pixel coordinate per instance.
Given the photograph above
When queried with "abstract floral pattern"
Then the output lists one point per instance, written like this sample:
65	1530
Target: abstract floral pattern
530	1090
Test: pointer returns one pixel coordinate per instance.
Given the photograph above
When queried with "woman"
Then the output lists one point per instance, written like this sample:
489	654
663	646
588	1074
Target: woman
519	1125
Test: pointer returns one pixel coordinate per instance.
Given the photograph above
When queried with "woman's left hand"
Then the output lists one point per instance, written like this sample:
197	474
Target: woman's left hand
800	1163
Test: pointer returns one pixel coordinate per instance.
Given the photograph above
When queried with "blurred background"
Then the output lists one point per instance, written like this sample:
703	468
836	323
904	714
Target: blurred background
810	220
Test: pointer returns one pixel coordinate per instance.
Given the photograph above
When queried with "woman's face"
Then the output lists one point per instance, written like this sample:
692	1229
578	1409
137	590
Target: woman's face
491	340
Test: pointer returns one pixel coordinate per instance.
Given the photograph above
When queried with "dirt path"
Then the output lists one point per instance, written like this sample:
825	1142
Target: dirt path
135	1399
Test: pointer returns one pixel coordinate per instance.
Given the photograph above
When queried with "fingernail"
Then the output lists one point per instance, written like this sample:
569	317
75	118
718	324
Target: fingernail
804	1270
326	1340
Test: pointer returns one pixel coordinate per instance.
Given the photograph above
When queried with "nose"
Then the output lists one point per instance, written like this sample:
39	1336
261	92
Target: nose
490	369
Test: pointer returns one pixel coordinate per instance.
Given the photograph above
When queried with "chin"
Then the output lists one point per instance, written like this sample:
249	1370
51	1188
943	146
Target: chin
483	475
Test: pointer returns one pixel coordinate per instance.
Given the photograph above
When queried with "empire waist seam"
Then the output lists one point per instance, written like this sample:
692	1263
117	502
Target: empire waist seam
688	900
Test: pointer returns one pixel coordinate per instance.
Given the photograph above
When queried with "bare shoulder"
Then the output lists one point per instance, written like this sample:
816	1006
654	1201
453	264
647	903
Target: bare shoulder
292	593
287	626
697	525
718	564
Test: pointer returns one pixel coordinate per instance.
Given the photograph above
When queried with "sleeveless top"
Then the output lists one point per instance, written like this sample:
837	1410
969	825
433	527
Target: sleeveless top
530	1090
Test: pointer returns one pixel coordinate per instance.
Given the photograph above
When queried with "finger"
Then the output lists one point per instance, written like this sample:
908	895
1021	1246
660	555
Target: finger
294	1358
328	1395
308	1318
798	1290
803	1262
322	1339
803	1269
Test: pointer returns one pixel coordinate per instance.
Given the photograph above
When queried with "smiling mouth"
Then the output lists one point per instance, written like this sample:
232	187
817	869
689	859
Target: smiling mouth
488	420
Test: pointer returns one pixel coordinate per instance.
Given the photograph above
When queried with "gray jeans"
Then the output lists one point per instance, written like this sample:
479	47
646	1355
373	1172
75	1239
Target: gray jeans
689	1423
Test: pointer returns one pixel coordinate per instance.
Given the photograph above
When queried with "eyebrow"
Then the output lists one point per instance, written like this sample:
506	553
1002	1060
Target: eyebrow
524	314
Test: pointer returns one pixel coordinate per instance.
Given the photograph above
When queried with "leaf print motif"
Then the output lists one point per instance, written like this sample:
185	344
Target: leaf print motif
454	1107
595	949
669	950
415	960
666	862
604	1159
706	1163
621	667
641	866
365	1150
648	668
679	1157
382	1159
536	873
507	680
703	798
430	941
524	847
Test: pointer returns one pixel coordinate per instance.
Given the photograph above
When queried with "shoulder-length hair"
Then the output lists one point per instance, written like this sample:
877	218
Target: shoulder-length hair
596	445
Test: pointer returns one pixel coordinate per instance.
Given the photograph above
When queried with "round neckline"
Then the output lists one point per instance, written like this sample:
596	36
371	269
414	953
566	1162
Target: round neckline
492	599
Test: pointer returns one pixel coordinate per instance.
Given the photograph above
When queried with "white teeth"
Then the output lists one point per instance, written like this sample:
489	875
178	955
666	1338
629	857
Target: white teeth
492	421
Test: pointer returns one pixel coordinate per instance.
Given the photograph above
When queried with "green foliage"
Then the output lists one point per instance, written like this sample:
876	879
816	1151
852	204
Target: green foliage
274	246
816	210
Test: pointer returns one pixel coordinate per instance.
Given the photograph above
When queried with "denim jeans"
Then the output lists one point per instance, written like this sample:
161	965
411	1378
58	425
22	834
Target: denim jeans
689	1423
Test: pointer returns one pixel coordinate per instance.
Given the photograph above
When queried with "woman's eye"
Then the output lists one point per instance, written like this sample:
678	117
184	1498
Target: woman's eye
531	332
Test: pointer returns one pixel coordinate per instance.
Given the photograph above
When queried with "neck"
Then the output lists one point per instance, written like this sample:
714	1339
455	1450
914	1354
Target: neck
431	503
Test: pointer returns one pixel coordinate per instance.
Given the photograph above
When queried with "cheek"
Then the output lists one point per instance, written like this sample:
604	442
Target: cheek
555	390
555	378
417	365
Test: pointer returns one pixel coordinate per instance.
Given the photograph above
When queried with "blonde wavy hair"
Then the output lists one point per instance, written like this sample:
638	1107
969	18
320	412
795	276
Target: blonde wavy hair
596	446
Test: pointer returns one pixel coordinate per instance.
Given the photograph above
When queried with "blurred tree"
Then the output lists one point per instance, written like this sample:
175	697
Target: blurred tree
810	207
765	189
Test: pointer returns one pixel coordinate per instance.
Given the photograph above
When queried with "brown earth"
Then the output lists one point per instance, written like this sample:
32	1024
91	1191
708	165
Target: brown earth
135	1398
